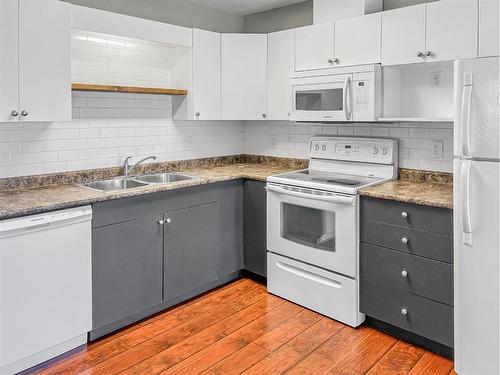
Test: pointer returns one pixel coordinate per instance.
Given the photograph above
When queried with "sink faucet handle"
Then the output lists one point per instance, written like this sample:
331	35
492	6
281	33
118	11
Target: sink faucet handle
126	165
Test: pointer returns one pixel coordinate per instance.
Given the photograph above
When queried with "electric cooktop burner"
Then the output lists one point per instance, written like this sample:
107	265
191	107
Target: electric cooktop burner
344	181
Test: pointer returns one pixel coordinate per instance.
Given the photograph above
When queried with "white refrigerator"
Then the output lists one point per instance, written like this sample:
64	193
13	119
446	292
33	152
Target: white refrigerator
476	217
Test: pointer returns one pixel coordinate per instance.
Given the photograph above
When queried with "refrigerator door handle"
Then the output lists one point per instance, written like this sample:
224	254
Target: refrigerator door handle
465	202
465	114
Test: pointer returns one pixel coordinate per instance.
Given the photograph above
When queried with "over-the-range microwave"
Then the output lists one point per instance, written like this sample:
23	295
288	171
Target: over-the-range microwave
339	94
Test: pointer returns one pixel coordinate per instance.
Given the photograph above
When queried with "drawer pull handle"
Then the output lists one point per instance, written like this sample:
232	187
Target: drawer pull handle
404	214
404	240
404	273
404	311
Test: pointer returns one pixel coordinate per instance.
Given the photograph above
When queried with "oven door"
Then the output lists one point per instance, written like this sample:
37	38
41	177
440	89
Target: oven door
313	226
326	98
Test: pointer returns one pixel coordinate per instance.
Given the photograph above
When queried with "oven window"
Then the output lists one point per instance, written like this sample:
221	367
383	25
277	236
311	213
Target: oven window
308	226
319	100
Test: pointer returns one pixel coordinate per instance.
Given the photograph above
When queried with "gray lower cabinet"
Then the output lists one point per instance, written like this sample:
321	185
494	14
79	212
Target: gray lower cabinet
127	269
153	251
406	265
192	249
255	247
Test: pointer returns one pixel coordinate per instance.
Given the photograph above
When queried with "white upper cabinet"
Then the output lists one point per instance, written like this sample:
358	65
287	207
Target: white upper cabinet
452	30
314	47
35	60
44	60
206	75
280	67
403	35
488	28
244	76
358	40
9	89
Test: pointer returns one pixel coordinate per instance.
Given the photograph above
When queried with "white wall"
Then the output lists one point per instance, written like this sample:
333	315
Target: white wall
285	139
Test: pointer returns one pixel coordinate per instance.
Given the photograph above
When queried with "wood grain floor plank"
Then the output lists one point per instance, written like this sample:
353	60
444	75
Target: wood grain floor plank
399	360
293	351
177	334
223	348
240	328
288	330
321	360
238	362
432	364
361	358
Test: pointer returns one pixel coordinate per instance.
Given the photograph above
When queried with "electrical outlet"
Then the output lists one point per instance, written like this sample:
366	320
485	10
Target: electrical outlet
187	142
437	149
436	78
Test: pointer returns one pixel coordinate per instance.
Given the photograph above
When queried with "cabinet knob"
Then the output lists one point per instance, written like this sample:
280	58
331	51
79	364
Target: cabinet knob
404	273
428	53
336	60
404	240
264	115
404	214
197	114
14	113
169	220
161	222
420	54
24	113
404	311
330	61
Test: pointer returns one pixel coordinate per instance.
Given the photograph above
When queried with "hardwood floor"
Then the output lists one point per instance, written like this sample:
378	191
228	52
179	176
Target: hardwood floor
241	329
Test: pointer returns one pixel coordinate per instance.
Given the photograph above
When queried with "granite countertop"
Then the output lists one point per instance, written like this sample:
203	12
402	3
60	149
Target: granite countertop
20	202
411	191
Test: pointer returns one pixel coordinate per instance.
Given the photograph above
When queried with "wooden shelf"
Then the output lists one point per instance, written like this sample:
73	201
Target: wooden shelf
128	89
415	119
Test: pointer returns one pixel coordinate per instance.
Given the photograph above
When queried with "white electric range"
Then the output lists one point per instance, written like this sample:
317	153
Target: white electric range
313	223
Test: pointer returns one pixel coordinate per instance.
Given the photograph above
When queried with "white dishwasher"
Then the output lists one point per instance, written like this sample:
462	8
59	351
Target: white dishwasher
45	286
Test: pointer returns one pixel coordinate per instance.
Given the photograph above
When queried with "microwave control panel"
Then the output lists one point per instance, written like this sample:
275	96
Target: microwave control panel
368	150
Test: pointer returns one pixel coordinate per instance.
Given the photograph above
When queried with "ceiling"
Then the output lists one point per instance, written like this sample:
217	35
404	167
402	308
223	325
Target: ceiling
244	7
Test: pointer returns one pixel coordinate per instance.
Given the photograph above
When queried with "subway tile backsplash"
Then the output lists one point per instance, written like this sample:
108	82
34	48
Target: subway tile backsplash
107	127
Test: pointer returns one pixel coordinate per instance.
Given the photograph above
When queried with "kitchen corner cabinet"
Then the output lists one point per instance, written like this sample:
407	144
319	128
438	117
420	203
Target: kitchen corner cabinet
314	47
153	251
244	76
255	245
35	60
358	40
279	68
430	33
489	28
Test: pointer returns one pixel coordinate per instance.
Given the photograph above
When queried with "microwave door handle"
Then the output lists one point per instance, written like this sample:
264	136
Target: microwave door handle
347	84
465	114
327	198
465	202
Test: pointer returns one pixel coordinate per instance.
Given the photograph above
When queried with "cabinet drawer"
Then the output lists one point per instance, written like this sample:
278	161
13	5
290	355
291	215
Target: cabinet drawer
431	219
424	277
430	319
425	244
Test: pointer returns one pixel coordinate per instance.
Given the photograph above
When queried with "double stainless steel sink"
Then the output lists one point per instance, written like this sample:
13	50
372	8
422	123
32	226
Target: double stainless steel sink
130	182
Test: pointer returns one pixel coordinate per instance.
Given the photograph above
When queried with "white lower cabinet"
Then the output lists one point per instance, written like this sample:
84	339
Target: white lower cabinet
35	60
280	67
244	76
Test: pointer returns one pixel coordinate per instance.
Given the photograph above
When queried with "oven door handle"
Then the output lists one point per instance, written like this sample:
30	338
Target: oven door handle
331	198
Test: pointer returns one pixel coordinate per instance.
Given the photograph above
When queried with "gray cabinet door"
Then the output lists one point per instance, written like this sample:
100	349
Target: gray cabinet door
255	227
127	269
191	249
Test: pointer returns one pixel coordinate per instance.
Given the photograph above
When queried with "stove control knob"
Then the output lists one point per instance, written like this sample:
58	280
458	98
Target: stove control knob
316	147
384	151
375	151
323	148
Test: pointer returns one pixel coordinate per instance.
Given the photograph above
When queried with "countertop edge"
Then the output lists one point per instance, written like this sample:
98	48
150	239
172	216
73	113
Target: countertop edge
398	198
